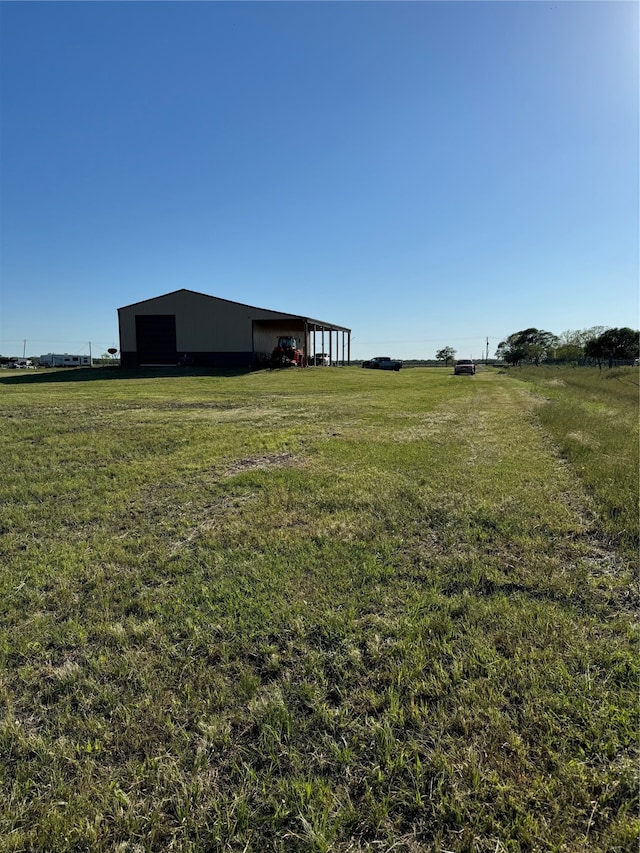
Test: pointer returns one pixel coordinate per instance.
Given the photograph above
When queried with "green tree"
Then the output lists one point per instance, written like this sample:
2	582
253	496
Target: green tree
528	346
445	354
569	352
621	344
572	343
580	337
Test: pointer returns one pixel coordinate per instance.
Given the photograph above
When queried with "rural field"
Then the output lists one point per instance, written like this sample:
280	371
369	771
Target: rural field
319	610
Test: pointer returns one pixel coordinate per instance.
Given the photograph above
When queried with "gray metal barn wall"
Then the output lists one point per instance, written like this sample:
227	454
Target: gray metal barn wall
217	332
203	323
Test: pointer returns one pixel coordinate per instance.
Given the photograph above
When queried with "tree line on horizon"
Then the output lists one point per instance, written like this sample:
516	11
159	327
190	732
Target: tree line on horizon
597	345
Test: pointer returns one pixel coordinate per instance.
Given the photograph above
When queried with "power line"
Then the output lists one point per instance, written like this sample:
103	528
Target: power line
75	344
428	340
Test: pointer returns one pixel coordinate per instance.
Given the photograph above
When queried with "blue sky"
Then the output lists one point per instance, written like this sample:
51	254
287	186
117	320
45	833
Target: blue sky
427	174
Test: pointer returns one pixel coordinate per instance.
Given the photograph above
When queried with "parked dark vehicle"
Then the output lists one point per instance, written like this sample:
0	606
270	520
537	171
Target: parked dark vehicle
383	362
464	365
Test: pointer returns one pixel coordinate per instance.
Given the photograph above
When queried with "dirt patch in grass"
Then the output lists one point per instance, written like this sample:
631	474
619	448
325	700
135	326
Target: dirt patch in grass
262	463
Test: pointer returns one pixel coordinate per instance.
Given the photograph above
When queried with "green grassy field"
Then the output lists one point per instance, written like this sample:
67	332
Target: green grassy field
593	416
319	610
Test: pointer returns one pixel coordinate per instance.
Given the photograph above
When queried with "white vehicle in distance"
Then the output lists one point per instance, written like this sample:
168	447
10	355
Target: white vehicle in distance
464	365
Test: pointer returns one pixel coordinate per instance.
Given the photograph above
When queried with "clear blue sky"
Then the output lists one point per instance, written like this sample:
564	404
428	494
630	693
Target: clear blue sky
427	174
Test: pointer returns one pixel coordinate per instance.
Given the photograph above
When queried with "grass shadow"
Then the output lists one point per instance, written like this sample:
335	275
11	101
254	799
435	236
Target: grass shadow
91	374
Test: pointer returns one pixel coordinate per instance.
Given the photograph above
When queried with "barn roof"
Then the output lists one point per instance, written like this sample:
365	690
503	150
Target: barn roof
321	323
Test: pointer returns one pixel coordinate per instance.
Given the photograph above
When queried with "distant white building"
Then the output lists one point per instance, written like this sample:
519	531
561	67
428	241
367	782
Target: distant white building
53	359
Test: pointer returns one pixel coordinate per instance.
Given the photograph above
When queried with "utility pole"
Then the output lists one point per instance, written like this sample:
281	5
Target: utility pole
24	348
90	359
486	358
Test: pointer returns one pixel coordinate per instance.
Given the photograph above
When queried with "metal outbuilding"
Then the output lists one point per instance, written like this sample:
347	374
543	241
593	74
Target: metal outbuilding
186	327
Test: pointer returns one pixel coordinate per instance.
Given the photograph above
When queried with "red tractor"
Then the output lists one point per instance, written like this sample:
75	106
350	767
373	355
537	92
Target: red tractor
287	354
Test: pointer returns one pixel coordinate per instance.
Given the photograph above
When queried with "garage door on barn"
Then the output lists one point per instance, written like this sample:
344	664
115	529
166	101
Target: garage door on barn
156	340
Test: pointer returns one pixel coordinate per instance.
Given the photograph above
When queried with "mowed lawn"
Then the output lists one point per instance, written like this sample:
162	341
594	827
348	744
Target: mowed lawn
316	610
